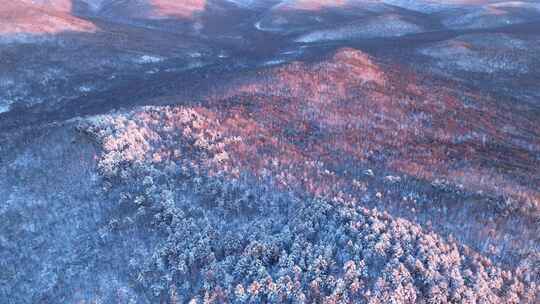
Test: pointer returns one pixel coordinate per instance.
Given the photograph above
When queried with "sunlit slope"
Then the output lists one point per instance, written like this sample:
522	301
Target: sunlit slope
25	19
349	106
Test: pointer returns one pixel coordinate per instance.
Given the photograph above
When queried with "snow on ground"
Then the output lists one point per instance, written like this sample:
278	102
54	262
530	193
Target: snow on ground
289	16
86	88
483	17
490	15
5	105
23	38
245	3
144	59
94	5
273	62
518	5
295	16
259	26
425	6
311	5
383	26
485	53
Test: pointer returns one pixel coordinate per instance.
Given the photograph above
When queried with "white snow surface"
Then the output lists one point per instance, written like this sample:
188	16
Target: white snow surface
5	105
383	26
